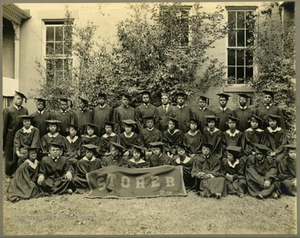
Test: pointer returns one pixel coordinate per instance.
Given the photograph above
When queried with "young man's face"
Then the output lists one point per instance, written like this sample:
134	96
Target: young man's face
82	104
150	124
124	101
243	101
272	123
54	151
101	100
202	103
181	151
52	128
268	99
292	154
205	150
193	126
32	155
63	105
211	124
90	130
89	154
171	125
136	154
231	124
145	98
164	100
128	129
180	100
108	129
222	101
156	151
254	124
72	131
18	100
26	123
40	105
259	155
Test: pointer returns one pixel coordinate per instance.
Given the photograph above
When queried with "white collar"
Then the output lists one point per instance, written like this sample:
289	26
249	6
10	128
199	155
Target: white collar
139	162
150	129
41	112
258	129
232	134
55	158
268	106
180	106
27	130
223	109
215	130
275	130
102	106
146	105
86	159
234	164
31	164
16	107
63	112
129	135
54	135
173	132
72	140
92	136
202	109
193	134
187	159
243	108
106	136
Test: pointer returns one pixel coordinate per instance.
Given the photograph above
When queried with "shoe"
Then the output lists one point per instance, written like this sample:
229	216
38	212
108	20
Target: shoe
70	191
259	196
218	195
241	195
201	194
275	195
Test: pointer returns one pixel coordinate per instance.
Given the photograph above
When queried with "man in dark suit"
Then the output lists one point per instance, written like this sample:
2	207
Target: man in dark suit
165	111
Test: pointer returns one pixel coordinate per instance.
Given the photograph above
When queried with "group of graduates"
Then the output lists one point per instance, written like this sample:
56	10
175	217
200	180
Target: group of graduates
222	152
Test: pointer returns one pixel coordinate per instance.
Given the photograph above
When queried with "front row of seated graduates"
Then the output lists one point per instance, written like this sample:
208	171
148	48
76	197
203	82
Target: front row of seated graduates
257	174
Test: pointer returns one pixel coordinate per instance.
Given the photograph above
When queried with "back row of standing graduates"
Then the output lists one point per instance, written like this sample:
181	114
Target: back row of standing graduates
128	127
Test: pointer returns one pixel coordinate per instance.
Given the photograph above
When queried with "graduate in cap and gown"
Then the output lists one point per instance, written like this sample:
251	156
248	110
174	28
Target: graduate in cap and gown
55	172
287	173
232	136
83	115
243	112
223	112
86	164
108	136
261	173
158	156
207	172
202	111
137	160
268	107
146	109
23	185
150	133
41	115
123	112
73	145
233	168
11	123
115	156
129	137
102	113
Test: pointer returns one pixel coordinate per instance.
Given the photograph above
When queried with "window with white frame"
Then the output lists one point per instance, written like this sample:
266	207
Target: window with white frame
58	51
239	54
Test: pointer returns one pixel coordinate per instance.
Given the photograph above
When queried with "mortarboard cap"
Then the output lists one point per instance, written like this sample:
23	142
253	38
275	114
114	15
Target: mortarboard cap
100	94
211	117
40	99
25	116
235	149
149	118
290	146
180	93
54	144
257	118
195	120
233	118
174	120
52	121
21	95
157	144
244	95
73	125
274	116
204	98
92	125
83	98
208	145
145	92
261	147
117	145
32	148
141	149
108	123
269	92
127	95
90	146
129	122
223	95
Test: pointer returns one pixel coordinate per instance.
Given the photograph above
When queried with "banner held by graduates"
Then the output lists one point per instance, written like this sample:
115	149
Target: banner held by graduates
118	182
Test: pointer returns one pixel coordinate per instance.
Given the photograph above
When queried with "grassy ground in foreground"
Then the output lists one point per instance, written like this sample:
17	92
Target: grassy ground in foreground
74	214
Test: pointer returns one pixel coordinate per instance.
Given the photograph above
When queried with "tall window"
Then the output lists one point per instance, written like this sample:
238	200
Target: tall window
58	52
239	57
176	21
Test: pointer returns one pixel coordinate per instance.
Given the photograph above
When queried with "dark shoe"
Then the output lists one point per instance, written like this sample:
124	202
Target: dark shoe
218	195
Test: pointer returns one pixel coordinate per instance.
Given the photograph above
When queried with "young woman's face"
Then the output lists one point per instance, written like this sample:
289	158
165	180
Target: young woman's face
193	126
205	150
90	131
211	124
52	128
156	151
32	155
150	124
128	129
72	131
230	156
292	154
171	125
231	124
89	154
26	123
180	151
254	124
114	151
272	123
136	154
108	129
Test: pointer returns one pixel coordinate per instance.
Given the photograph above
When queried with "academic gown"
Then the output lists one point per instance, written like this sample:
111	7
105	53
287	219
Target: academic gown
244	116
287	176
48	138
251	136
66	118
194	141
73	148
187	165
148	136
82	117
215	138
105	141
200	116
109	160
164	116
39	120
127	142
122	113
256	174
54	172
23	185
223	118
83	167
209	186
232	139
276	139
137	164
183	115
163	159
263	112
143	111
172	139
237	169
100	116
11	124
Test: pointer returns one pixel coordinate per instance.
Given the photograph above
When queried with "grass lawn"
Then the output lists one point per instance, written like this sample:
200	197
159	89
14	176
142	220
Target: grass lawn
75	214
